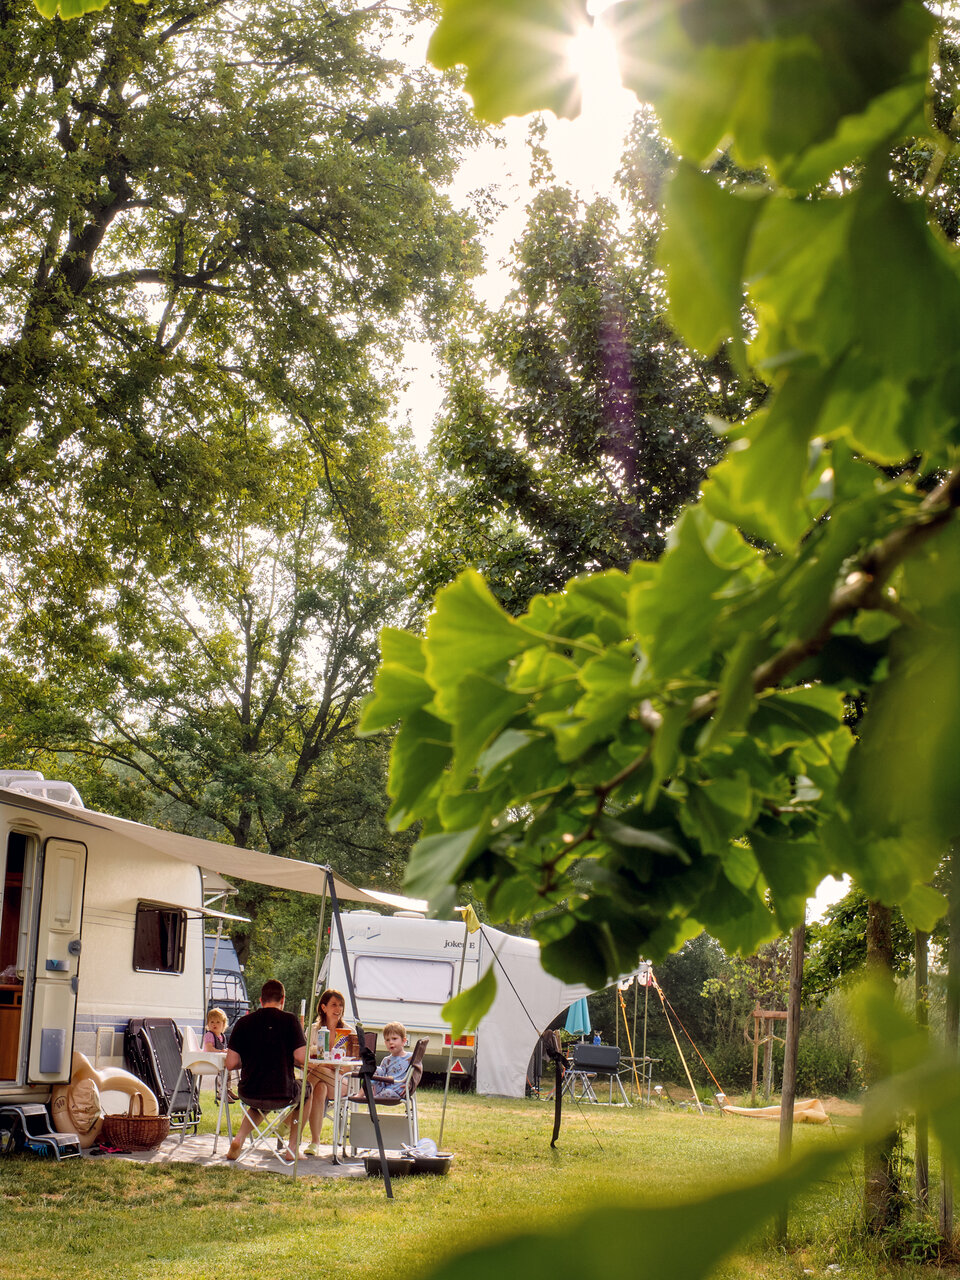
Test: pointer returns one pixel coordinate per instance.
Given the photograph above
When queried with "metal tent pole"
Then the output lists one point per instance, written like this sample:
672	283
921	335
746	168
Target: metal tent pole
213	965
311	1008
364	1077
648	1072
446	1086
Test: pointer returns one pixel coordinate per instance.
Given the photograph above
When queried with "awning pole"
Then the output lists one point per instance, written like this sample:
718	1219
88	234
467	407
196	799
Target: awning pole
308	1026
636	1078
693	1087
647	1068
364	1079
446	1086
213	965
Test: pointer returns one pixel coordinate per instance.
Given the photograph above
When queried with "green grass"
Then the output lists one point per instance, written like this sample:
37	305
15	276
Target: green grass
105	1219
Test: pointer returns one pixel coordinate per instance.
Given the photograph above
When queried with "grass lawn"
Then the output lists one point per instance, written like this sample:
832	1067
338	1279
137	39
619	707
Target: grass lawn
102	1219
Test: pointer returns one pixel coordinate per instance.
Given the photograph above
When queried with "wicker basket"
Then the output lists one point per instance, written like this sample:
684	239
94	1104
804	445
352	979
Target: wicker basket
134	1132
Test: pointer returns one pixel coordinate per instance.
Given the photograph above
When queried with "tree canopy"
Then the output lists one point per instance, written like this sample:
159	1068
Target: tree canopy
200	211
576	422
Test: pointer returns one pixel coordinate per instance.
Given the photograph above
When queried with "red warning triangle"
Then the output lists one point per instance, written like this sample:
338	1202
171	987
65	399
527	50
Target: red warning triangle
457	1068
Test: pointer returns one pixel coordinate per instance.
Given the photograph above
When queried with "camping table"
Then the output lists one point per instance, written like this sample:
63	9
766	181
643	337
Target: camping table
338	1066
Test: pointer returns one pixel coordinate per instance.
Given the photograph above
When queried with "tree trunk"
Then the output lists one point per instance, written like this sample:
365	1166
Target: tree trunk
788	1092
922	994
880	1198
951	1024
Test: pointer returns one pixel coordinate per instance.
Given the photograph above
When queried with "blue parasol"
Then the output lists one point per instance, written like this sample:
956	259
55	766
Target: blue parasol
578	1018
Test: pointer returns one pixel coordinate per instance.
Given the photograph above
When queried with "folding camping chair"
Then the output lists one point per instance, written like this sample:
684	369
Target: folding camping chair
362	1135
153	1049
196	1063
266	1131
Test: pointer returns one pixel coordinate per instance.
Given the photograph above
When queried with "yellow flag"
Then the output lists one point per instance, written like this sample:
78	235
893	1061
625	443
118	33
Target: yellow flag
470	919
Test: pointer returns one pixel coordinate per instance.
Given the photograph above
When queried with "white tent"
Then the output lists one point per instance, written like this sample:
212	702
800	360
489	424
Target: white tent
528	999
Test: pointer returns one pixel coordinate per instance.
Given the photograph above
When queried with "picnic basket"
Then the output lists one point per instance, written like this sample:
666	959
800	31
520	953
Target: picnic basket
134	1132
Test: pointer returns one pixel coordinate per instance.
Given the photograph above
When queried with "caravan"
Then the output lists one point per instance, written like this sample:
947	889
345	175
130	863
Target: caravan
405	967
101	921
77	898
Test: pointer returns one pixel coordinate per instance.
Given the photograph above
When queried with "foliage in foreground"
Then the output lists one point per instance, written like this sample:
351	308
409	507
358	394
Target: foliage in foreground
653	751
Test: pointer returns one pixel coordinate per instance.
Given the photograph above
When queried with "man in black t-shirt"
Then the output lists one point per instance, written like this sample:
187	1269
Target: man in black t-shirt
266	1045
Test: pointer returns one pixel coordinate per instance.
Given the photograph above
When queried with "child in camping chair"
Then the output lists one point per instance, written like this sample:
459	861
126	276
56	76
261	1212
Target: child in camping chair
392	1071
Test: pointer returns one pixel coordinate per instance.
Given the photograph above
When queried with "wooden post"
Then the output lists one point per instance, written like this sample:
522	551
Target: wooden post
788	1092
951	1025
879	1172
922	994
756	1052
767	1059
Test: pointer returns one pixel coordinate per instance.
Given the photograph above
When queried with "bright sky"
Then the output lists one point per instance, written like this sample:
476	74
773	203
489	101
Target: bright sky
585	153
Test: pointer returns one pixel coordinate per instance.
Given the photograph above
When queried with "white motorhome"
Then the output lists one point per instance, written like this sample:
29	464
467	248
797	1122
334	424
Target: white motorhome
405	967
101	920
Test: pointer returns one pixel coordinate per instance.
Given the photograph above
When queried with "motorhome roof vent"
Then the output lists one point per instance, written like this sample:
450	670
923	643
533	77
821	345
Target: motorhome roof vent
366	912
34	784
409	915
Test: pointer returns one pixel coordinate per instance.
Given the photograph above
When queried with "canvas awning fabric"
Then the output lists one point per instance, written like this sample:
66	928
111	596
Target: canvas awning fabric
245	864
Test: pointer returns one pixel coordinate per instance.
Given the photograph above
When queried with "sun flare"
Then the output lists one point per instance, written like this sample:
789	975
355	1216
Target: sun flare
587	149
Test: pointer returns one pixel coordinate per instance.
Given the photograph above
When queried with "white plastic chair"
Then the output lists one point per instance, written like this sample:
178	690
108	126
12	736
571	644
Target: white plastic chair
199	1062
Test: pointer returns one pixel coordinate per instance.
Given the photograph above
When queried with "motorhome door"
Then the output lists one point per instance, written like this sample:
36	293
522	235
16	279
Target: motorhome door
57	962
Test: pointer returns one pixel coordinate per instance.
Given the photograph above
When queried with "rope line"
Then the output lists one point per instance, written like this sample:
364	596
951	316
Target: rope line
540	1034
690	1038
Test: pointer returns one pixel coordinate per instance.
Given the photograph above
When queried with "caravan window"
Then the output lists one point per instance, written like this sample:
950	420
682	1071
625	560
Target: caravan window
399	978
159	938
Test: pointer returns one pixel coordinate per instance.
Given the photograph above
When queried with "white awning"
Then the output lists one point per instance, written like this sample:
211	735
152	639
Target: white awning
246	864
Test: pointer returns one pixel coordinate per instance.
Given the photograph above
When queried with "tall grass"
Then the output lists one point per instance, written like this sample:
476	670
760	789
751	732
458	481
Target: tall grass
107	1218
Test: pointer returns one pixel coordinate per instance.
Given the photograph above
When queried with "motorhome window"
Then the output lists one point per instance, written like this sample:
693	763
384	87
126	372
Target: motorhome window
159	938
400	978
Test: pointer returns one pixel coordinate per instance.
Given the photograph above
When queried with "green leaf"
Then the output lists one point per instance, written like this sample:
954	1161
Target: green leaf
798	276
421	753
605	703
702	249
764	476
922	907
679	608
793	869
738	920
736	696
71	8
467	632
888	118
901	775
400	686
480	708
517	55
437	860
663	841
906	291
790	717
464	1011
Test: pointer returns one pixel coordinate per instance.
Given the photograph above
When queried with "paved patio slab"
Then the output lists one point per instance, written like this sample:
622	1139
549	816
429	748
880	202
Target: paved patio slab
198	1149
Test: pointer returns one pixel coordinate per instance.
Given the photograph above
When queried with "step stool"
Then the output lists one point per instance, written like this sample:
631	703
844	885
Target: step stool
26	1127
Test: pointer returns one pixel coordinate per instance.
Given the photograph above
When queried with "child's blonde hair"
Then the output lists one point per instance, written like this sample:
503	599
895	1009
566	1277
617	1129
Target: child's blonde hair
218	1014
395	1028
